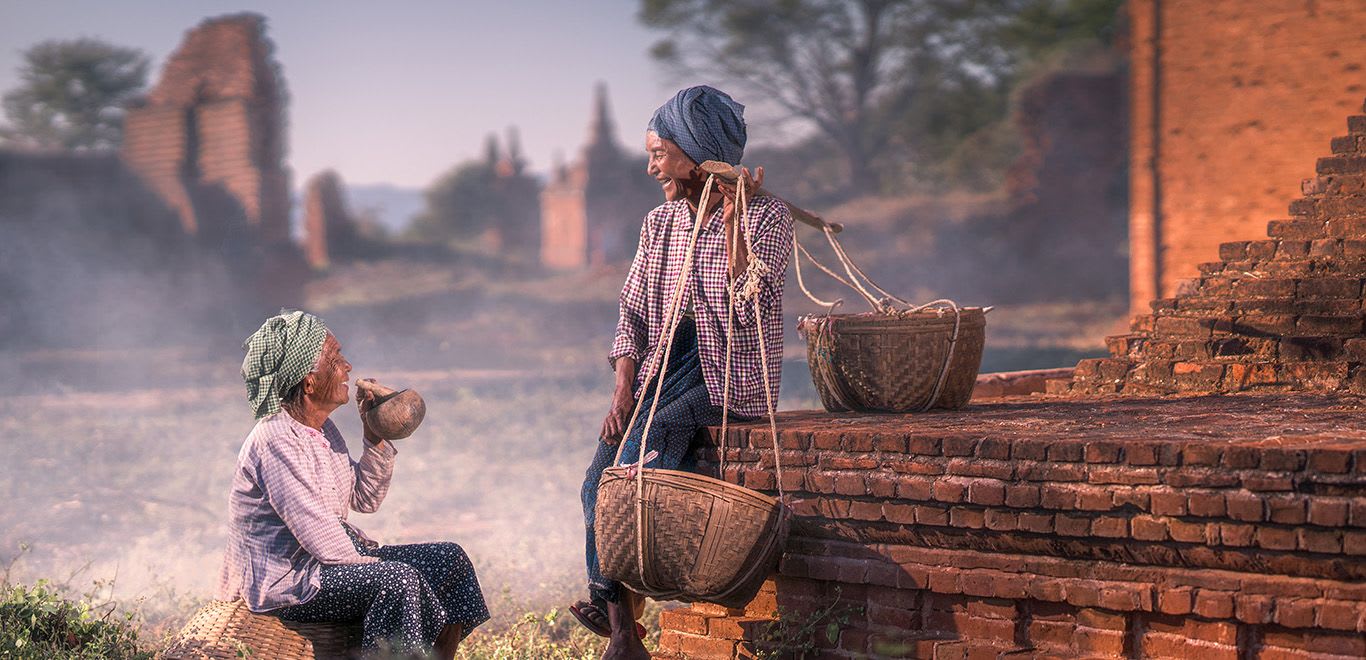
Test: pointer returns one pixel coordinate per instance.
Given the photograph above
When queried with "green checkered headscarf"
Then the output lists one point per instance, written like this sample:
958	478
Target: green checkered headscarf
279	355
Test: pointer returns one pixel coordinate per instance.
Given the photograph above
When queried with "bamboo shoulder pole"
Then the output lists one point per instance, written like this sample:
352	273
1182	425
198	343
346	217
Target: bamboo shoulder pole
728	173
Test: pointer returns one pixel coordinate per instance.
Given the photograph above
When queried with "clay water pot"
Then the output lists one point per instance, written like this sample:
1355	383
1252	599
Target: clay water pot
396	413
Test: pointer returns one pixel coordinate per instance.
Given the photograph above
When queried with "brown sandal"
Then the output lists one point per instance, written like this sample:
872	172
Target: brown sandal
595	620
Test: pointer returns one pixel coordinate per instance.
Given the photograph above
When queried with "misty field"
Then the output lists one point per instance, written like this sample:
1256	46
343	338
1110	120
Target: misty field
119	460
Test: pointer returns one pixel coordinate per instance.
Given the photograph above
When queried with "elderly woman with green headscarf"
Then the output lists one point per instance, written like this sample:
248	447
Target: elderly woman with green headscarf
291	551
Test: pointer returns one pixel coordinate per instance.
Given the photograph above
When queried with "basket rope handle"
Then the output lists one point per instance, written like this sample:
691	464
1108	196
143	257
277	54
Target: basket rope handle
883	305
661	364
754	271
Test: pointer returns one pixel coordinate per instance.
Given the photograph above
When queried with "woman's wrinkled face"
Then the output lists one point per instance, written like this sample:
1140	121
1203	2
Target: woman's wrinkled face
331	376
676	173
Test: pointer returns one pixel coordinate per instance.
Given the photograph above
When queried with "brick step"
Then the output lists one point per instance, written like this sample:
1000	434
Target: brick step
1125	344
1334	184
1348	144
1248	280
1297	229
1248	254
1343	164
1204	325
1198	305
1325	207
1356	125
1295	348
1172	376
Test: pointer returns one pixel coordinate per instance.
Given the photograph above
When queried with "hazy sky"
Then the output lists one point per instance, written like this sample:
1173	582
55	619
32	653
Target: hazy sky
398	92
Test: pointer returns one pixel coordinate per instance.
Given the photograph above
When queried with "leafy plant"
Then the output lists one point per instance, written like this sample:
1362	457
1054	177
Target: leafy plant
39	622
794	635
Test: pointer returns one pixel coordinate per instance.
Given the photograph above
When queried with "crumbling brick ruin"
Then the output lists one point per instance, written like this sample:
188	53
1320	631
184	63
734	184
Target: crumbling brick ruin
1230	101
591	210
1282	313
210	140
191	216
329	228
210	137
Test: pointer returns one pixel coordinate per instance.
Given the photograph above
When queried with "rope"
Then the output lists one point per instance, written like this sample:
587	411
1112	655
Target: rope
824	331
657	374
753	283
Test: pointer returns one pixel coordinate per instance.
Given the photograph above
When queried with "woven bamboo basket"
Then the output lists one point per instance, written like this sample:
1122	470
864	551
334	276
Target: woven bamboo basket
228	630
877	362
704	539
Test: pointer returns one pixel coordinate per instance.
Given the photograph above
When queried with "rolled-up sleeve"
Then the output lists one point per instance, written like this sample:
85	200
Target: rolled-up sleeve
374	470
630	339
771	243
289	477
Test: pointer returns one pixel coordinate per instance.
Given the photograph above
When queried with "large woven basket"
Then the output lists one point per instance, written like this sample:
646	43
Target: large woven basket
704	539
227	630
894	362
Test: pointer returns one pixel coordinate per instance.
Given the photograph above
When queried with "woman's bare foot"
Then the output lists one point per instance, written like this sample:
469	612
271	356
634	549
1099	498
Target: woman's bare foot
623	643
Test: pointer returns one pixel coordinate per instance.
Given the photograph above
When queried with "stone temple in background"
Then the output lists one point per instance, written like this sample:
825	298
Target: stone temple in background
591	209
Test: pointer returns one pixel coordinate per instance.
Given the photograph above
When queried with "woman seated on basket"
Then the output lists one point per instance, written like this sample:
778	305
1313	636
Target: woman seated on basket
291	551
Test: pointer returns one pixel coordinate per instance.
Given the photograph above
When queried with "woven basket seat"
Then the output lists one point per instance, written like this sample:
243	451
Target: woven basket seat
893	362
228	630
704	539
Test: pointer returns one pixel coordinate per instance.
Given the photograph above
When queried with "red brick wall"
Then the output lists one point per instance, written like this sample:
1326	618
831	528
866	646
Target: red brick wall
1231	102
1230	526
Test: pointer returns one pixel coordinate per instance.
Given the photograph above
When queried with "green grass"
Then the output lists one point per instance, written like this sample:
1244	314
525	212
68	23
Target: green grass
41	623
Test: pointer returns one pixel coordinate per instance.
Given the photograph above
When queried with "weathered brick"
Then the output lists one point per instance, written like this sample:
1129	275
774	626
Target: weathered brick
988	492
1276	538
1022	495
1319	540
1001	521
1114	527
949	490
1148	528
1252	608
1065	524
966	517
1328	512
1168	503
931	515
1286	510
1041	523
1244	506
1186	532
1205	504
1294	613
1175	600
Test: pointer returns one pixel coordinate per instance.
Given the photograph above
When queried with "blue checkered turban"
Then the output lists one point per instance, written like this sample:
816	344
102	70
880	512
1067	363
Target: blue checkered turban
705	122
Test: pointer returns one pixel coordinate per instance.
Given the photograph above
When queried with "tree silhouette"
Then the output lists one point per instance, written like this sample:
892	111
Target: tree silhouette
73	94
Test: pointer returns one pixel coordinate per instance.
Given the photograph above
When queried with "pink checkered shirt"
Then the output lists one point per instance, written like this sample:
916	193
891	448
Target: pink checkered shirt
655	272
287	509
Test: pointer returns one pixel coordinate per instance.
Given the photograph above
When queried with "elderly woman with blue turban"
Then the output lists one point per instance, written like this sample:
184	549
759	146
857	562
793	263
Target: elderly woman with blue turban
699	124
291	551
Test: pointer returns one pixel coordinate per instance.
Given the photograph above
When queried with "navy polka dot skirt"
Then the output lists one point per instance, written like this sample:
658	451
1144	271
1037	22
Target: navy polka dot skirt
404	600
